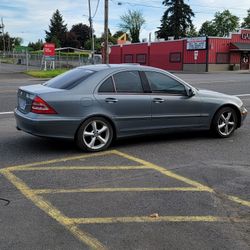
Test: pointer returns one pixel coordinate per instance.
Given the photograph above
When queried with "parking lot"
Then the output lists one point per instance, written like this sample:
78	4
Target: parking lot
173	191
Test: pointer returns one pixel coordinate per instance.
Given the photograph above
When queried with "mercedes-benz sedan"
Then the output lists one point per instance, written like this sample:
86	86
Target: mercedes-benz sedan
95	104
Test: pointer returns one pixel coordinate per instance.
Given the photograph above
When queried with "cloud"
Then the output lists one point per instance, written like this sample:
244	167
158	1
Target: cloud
29	18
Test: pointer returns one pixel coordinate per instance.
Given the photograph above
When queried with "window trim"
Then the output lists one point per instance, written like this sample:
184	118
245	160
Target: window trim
145	56
132	58
173	61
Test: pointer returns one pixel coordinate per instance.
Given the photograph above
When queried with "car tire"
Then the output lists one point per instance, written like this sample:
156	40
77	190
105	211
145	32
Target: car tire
95	134
224	122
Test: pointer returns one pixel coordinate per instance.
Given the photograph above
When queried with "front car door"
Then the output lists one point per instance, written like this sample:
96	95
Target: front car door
170	104
123	99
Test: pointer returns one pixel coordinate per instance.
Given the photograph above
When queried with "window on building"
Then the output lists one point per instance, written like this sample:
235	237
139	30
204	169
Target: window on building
128	82
128	58
161	83
222	58
141	58
107	86
175	57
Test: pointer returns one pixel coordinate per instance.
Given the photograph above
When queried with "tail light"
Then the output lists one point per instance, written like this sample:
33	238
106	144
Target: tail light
39	106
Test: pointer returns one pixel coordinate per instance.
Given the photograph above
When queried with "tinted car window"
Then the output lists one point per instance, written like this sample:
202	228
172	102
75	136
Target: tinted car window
107	86
161	83
69	79
128	81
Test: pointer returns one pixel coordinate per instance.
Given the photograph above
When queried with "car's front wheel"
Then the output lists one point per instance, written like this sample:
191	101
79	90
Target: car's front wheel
224	122
95	134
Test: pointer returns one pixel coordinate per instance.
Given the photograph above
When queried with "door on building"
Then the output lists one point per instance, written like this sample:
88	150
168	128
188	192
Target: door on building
244	61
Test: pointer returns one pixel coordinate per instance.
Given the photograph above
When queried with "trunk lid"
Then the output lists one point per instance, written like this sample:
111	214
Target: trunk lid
26	95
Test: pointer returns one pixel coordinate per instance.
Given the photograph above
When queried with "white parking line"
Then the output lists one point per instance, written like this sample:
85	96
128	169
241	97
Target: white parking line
6	113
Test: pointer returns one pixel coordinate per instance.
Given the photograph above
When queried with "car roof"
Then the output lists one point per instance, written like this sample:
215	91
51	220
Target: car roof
100	67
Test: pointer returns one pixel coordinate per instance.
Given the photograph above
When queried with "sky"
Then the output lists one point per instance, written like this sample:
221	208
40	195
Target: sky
29	19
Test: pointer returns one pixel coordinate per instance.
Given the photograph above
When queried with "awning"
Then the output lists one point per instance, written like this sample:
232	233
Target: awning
240	47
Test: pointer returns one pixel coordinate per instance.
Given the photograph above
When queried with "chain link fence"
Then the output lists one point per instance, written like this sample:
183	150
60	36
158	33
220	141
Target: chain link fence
37	60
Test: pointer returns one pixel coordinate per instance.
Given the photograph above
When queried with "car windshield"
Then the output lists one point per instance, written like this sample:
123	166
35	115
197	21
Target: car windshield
69	79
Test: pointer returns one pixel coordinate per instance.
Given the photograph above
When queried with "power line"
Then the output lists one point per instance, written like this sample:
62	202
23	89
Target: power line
97	6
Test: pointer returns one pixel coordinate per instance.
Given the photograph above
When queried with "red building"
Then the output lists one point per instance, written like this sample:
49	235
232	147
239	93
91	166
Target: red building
200	54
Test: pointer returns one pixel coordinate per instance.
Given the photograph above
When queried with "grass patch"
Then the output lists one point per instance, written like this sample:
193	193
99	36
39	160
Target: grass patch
45	74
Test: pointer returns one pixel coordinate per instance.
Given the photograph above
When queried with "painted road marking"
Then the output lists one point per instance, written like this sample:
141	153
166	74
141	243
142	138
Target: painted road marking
65	168
99	190
71	224
53	212
238	200
165	171
72	158
148	219
6	113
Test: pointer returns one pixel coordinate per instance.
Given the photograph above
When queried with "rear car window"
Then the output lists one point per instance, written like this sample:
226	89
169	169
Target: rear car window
107	86
128	81
69	79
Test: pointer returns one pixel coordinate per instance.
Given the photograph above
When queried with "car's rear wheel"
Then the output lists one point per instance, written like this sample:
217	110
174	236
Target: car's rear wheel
224	122
95	134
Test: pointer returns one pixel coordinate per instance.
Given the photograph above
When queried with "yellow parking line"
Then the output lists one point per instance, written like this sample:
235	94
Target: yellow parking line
65	168
53	212
238	200
60	160
146	219
99	190
165	172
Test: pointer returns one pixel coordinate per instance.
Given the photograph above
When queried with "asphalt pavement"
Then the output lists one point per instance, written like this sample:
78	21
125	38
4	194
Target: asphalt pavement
173	191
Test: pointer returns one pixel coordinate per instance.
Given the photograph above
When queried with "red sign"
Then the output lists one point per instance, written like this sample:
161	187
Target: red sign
49	49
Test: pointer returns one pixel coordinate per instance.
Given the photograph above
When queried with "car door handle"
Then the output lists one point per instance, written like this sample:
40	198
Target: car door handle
158	100
111	100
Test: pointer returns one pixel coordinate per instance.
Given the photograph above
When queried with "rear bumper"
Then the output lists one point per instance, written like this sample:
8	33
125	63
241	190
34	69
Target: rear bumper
46	125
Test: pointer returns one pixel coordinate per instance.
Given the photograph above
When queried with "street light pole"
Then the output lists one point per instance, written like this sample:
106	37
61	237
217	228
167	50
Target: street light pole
106	34
92	34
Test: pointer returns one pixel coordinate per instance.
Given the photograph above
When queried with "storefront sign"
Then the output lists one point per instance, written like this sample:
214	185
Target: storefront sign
196	43
245	36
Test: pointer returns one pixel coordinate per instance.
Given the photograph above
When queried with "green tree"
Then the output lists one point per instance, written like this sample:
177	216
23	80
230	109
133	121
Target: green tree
37	45
208	29
82	32
176	20
9	42
192	32
71	40
57	30
225	22
246	21
132	22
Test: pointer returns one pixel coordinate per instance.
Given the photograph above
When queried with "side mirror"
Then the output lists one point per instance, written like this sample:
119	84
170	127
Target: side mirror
190	92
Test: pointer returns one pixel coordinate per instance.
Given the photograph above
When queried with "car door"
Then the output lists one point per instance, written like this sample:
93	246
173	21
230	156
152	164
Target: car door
122	97
171	106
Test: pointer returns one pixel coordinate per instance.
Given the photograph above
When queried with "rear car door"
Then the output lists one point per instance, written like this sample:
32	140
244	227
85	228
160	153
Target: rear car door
123	98
171	107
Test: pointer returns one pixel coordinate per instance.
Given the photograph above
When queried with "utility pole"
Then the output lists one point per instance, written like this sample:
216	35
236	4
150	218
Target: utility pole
92	34
106	33
2	27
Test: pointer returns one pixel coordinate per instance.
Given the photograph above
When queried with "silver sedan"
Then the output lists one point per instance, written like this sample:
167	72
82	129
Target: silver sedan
96	104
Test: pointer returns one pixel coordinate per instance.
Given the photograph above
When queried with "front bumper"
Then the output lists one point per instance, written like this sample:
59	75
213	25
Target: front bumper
243	112
46	125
